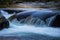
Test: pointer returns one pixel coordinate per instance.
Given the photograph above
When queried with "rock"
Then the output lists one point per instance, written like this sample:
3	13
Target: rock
24	15
43	15
54	21
12	17
12	11
40	14
3	22
34	21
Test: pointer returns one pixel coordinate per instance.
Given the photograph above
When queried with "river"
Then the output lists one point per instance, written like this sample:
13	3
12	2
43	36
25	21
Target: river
17	29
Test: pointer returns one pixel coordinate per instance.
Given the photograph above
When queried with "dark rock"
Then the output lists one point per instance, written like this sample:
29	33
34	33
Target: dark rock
3	22
34	21
12	17
40	14
54	21
43	15
13	11
24	15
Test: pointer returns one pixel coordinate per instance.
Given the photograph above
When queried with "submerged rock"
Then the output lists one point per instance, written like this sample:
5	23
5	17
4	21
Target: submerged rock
3	22
54	21
34	21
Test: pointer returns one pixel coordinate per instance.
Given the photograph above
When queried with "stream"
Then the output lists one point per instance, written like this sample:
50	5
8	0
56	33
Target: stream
17	29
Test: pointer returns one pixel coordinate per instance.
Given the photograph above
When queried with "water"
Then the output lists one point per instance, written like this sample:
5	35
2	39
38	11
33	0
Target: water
24	27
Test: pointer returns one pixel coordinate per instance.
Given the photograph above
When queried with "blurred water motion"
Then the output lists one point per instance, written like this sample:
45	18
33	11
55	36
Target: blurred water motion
30	32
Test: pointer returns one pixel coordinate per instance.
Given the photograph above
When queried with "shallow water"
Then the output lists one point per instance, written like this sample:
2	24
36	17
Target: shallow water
17	29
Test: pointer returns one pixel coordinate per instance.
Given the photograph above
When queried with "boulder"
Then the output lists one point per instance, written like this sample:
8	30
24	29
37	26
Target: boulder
54	21
24	15
43	15
3	22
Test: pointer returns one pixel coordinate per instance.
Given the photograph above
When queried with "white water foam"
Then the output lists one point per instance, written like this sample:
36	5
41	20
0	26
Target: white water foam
15	27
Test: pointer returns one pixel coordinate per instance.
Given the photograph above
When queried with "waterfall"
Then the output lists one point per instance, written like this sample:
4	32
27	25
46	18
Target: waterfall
6	14
28	25
32	21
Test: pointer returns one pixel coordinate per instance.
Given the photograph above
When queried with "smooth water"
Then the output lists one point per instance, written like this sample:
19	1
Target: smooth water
24	28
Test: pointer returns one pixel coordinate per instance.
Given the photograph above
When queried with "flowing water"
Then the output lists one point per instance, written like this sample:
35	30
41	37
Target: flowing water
24	27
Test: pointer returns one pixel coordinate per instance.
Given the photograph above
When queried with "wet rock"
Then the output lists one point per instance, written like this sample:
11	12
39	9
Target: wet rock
3	22
12	17
40	14
19	16
23	15
13	11
34	21
43	15
54	21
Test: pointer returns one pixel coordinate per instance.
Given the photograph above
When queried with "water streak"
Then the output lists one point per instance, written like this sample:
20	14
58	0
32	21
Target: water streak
19	27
